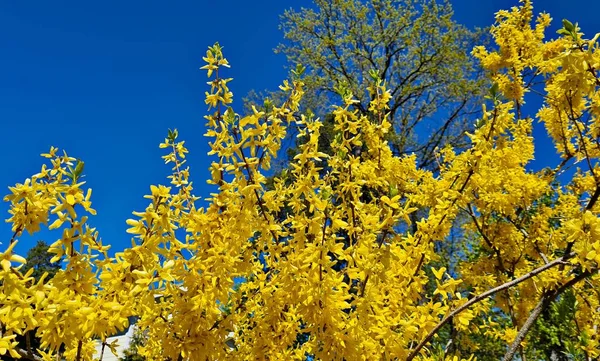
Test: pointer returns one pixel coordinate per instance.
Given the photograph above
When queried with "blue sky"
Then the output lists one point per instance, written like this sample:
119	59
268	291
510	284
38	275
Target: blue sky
105	80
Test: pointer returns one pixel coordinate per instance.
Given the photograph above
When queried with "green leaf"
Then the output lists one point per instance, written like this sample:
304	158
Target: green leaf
300	69
494	90
568	25
229	115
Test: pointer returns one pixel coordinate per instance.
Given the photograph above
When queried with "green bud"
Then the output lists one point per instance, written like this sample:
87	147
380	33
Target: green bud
300	69
374	74
78	169
284	174
172	135
338	138
494	90
268	104
342	89
480	123
217	48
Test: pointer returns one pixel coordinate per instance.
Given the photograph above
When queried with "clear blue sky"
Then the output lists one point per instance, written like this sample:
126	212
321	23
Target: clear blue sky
105	80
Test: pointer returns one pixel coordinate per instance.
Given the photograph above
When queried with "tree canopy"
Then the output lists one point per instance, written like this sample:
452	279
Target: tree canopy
39	259
415	46
332	266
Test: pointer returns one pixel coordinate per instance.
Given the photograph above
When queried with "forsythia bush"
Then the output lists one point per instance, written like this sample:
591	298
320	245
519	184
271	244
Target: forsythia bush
326	264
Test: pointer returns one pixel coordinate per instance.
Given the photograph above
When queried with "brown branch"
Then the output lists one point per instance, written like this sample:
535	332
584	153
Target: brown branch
364	286
16	234
251	180
28	342
79	345
102	350
353	239
240	307
322	245
462	188
487	240
178	170
593	199
546	300
24	354
481	297
420	238
431	146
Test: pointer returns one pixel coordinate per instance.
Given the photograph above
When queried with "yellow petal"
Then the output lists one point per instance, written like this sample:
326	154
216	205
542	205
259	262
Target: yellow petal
338	223
17	258
56	224
70	199
39	296
439	273
5	265
591	255
14	353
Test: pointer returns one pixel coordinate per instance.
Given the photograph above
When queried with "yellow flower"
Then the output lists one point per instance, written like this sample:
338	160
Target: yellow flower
7	257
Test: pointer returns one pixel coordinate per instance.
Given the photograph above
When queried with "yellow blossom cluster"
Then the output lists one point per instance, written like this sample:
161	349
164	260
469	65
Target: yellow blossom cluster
335	260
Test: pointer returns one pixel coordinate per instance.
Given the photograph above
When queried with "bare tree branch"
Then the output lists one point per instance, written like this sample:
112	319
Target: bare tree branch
483	296
546	300
24	354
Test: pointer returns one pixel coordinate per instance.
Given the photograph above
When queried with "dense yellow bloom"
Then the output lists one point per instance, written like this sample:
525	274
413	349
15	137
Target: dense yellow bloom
337	258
